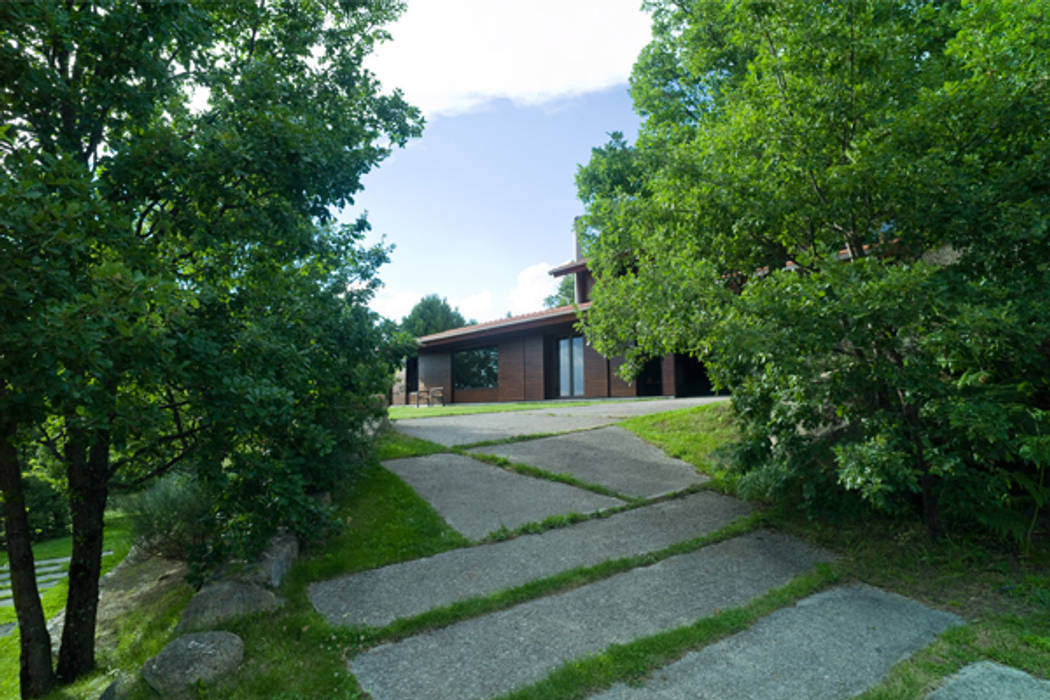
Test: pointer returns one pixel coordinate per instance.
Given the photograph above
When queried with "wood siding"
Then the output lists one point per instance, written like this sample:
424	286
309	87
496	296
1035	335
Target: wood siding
533	370
595	373
617	386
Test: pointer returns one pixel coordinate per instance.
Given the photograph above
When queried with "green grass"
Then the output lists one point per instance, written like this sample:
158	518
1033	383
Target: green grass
463	409
690	434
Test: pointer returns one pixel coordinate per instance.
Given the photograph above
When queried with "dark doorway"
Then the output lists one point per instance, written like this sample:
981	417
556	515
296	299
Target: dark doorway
412	375
651	379
690	377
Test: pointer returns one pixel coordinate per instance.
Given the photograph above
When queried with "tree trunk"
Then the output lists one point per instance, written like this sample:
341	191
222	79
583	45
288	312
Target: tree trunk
88	471
35	674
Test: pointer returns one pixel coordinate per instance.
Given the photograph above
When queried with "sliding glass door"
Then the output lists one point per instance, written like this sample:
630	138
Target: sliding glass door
570	366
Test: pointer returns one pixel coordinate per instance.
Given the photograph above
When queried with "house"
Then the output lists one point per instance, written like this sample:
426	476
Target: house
538	356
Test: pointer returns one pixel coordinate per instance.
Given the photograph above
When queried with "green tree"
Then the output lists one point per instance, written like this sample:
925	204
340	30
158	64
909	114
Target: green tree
172	290
783	140
564	295
431	315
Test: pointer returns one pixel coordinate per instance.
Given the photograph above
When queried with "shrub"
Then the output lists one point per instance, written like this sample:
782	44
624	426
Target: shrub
171	517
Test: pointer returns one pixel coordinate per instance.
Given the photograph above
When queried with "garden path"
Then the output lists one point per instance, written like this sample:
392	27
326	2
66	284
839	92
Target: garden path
832	644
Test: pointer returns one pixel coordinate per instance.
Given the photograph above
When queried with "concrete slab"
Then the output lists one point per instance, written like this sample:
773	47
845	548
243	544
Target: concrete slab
423	584
465	430
612	457
985	679
476	498
558	418
505	650
831	645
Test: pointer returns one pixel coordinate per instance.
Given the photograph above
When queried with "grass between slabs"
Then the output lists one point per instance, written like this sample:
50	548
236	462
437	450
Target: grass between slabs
551	585
634	661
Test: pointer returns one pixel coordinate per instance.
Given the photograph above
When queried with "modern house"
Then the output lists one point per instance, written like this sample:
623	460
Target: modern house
538	356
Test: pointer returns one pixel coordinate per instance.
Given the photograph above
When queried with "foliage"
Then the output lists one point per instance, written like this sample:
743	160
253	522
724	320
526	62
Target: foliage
841	208
564	295
431	315
173	290
171	516
46	507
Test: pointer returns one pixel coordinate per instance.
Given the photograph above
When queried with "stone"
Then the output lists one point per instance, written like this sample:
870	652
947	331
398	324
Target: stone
224	600
985	679
507	649
476	498
276	561
7	628
378	596
830	645
611	457
203	656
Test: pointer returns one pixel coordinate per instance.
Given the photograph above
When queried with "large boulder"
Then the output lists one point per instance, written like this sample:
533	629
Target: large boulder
225	600
203	656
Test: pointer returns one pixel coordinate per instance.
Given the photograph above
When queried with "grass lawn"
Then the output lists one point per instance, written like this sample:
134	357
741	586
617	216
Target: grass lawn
294	653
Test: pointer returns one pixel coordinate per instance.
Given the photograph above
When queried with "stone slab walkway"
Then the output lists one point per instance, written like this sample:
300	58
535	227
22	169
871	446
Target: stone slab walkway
481	427
432	582
984	680
510	648
477	498
831	645
612	457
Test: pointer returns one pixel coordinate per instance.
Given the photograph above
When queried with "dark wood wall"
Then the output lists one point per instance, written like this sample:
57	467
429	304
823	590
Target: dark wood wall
524	357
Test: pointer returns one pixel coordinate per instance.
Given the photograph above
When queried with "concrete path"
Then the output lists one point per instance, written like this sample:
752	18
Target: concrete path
477	498
831	645
505	650
984	680
432	582
612	457
835	643
481	427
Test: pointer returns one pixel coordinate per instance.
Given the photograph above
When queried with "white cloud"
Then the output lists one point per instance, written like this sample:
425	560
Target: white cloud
476	307
394	305
534	285
453	56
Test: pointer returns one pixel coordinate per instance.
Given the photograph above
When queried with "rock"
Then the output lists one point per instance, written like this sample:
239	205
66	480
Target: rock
54	630
119	689
224	600
7	628
203	656
276	561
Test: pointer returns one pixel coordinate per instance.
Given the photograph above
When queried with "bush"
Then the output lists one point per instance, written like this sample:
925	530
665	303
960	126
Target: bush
47	509
171	517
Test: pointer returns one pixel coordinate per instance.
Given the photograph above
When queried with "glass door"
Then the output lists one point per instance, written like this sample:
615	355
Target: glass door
570	366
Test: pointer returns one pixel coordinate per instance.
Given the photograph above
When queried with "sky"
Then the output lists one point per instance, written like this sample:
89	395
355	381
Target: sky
515	96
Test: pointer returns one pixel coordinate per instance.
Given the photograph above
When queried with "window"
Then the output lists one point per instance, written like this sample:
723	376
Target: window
476	369
570	366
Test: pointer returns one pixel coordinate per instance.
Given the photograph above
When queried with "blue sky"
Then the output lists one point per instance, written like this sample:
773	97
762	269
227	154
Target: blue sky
515	96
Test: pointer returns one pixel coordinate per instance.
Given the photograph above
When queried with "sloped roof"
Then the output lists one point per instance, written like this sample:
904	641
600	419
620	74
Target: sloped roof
521	322
568	268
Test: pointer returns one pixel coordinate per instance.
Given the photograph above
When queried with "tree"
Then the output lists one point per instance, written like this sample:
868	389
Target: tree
173	293
841	210
564	295
431	315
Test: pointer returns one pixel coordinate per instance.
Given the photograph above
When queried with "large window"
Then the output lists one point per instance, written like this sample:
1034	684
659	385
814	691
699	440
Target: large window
570	366
476	369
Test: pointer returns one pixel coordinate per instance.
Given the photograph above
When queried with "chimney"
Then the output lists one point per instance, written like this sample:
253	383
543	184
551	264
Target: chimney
578	291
